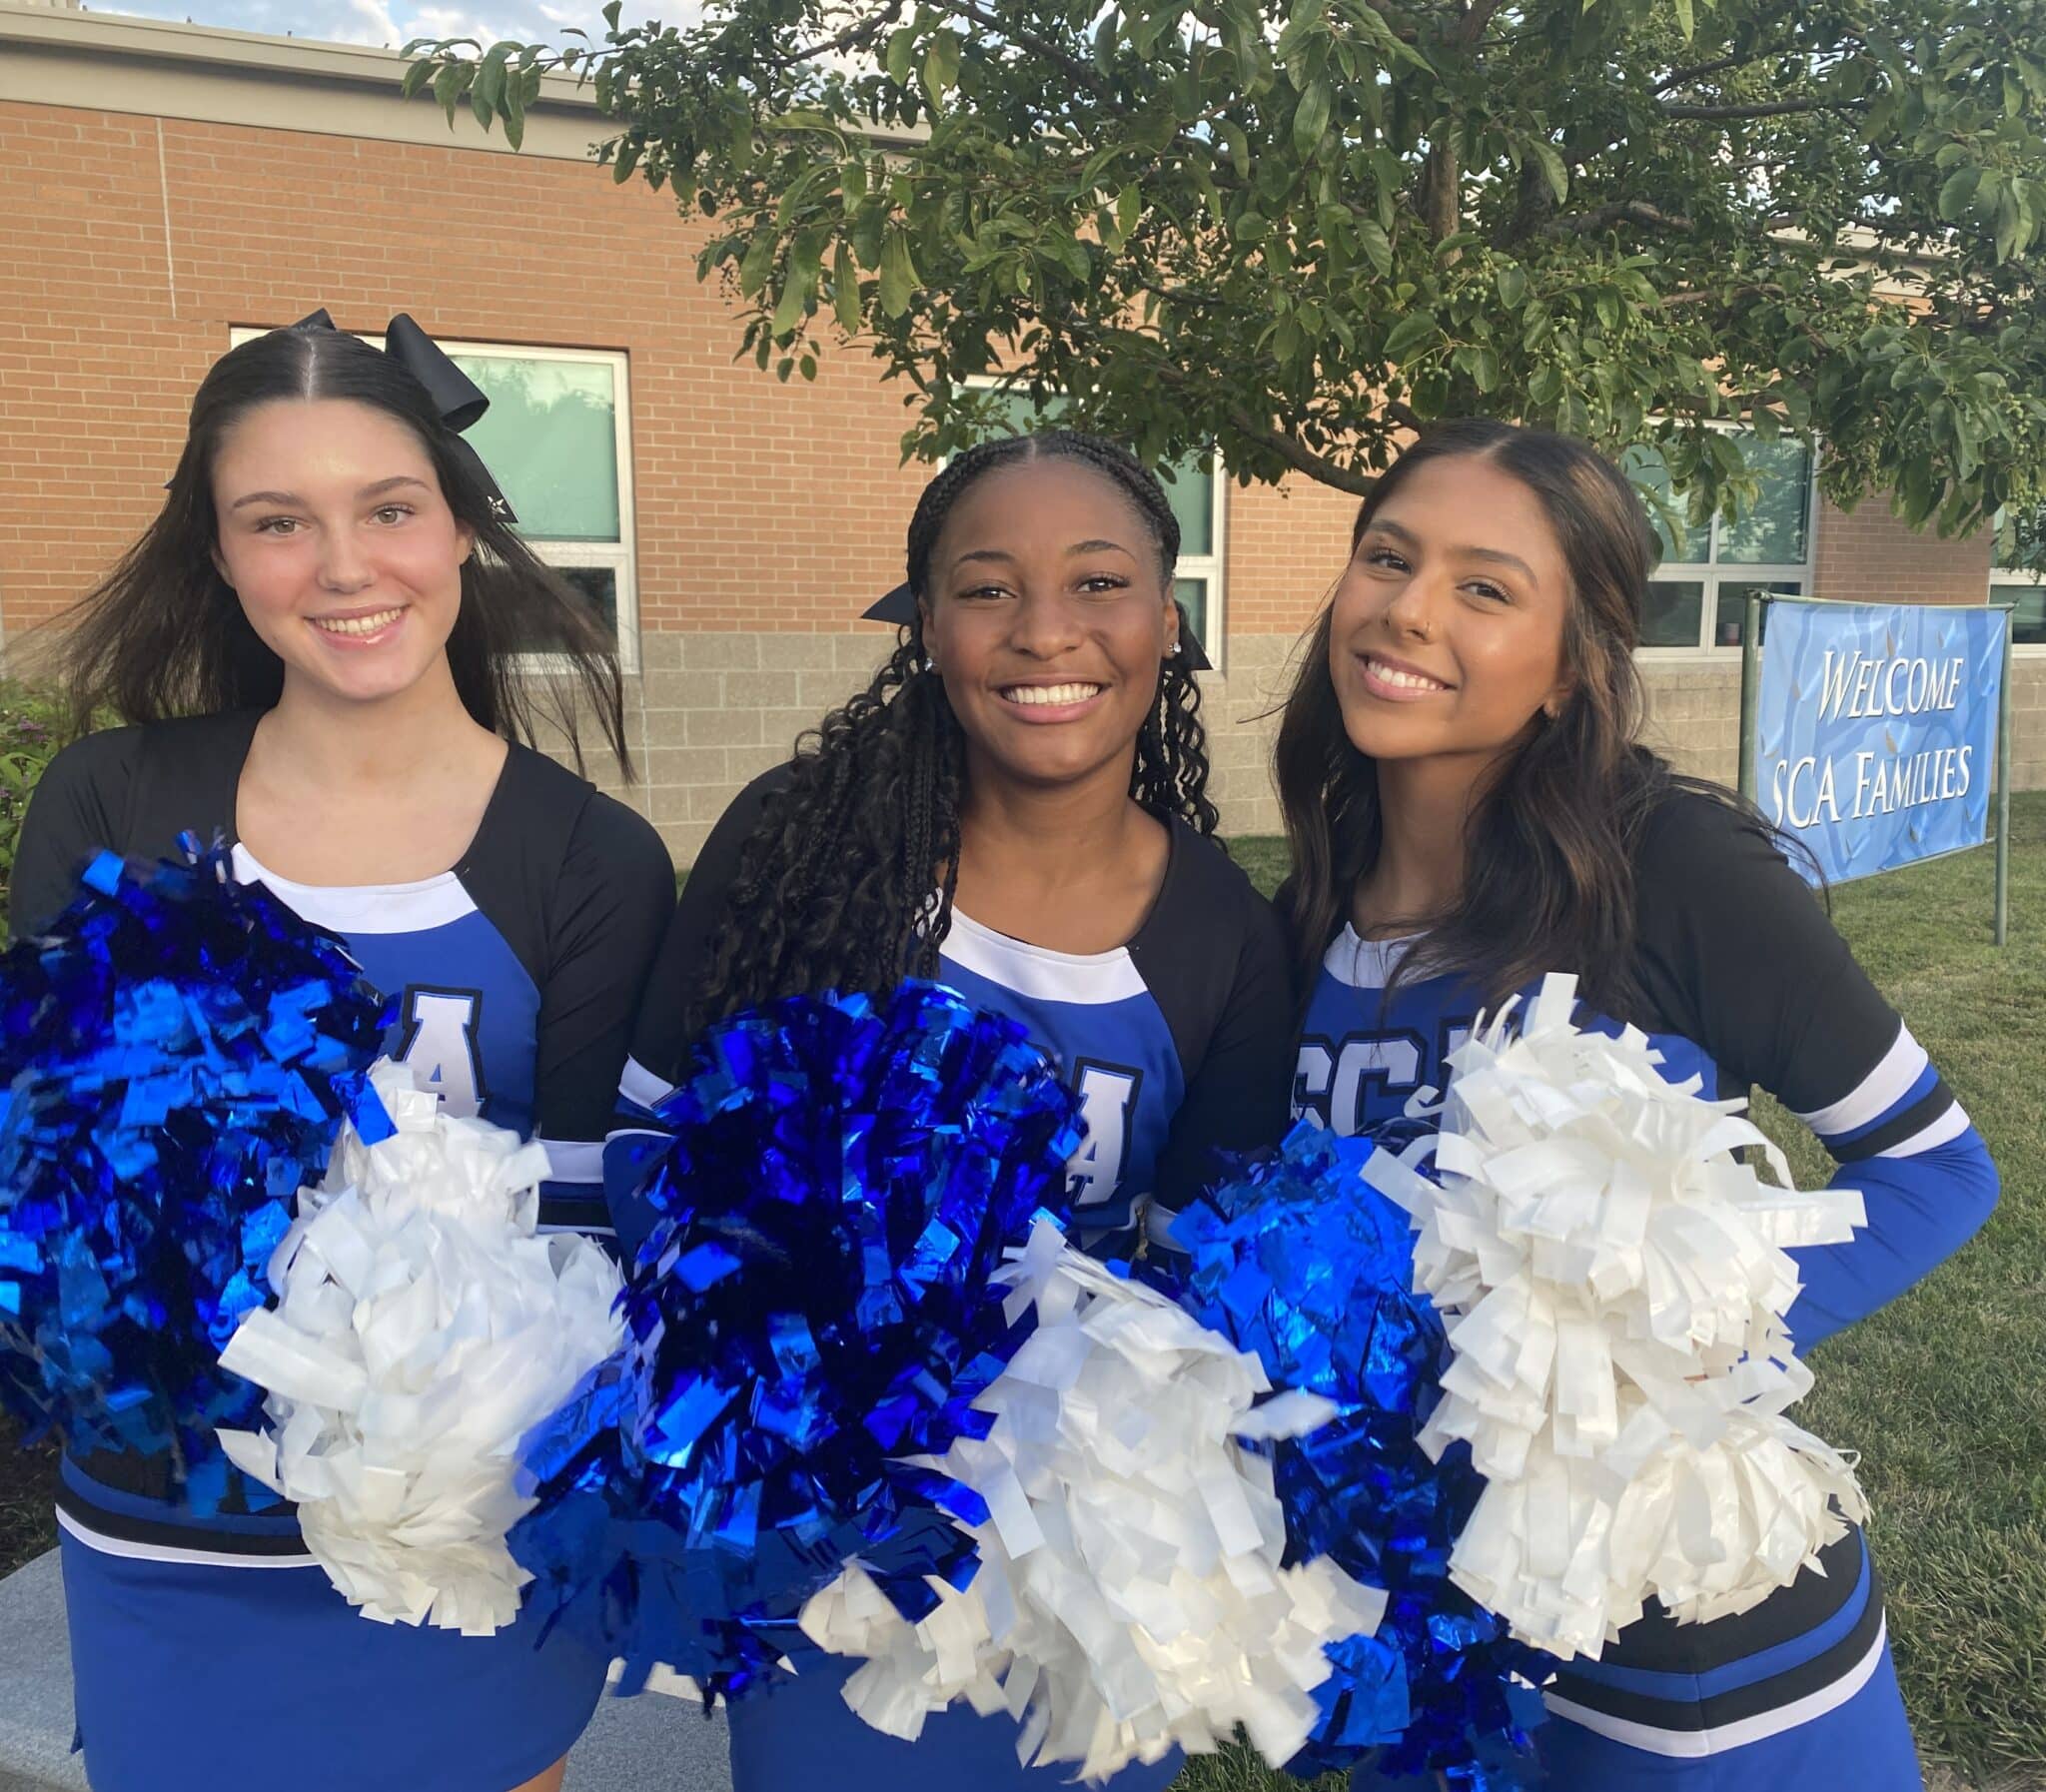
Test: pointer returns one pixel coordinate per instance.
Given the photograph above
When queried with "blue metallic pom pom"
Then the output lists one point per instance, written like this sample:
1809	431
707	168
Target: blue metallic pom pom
813	1306
176	1053
1297	1260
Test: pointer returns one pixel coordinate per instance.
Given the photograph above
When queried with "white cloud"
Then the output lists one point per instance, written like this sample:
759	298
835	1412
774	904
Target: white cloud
389	22
375	18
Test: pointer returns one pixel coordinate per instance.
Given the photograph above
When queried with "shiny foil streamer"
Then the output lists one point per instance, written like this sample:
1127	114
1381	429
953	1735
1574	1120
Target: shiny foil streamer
813	1306
177	1055
1297	1259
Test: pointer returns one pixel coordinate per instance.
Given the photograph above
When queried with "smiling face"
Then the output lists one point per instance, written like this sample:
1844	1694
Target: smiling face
1048	614
333	531
1447	631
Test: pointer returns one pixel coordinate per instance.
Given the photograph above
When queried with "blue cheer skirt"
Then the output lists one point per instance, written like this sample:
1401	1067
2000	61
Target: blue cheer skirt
213	1653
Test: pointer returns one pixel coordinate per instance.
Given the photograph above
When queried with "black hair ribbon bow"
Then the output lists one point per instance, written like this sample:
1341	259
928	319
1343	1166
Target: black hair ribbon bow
457	397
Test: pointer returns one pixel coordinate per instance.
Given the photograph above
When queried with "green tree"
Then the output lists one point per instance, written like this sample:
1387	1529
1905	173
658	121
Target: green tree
1292	232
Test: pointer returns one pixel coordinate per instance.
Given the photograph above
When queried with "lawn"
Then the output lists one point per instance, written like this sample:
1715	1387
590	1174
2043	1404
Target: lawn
1944	1392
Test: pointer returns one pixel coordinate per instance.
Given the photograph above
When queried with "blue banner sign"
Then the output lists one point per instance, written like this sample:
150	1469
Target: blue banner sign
1876	729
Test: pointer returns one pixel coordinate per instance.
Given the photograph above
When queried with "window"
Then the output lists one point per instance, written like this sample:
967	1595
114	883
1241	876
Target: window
558	438
1698	594
1197	500
2025	591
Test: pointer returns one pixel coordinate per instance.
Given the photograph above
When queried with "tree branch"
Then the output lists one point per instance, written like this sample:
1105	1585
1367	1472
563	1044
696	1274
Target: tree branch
1086	74
1768	108
1533	206
1766	289
1291	450
1625	211
1477	15
1835	54
1442	196
855	36
1300	456
1684	77
1890	227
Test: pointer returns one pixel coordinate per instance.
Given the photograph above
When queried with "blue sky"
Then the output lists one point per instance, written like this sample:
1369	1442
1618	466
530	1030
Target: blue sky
392	22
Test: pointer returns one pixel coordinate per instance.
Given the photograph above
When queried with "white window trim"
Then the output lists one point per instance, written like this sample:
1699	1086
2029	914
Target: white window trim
2019	575
1711	574
621	557
1211	565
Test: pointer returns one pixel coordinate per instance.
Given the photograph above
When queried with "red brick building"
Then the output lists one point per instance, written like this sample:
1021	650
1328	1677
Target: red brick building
163	187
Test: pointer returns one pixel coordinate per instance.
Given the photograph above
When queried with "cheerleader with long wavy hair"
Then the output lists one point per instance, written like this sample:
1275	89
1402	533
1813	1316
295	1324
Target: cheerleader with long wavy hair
1469	808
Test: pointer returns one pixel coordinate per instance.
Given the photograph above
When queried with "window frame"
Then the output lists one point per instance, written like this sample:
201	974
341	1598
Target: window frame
2017	575
1712	573
2014	576
620	559
1212	565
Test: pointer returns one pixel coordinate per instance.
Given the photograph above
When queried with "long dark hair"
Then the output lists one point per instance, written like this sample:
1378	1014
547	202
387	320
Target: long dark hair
1549	842
163	634
835	887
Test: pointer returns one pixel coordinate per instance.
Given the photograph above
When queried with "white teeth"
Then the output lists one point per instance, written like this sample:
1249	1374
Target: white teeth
1035	695
1384	675
358	624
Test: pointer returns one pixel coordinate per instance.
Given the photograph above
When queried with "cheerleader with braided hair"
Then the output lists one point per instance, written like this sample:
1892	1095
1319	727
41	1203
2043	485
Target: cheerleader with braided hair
1017	806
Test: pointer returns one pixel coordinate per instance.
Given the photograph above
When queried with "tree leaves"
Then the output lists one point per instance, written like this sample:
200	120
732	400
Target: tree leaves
941	67
1553	167
1311	117
1956	196
1643	216
898	273
845	295
1408	333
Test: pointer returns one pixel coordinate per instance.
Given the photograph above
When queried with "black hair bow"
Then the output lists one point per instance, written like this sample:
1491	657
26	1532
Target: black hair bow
899	606
456	395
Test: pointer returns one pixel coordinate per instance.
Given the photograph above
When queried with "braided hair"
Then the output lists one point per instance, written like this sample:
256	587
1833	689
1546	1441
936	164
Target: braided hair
835	888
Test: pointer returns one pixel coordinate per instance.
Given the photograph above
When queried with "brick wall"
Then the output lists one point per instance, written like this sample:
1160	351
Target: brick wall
1694	715
760	505
1867	554
767	516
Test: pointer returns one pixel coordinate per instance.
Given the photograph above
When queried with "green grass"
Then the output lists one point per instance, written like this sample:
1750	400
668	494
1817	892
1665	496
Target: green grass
28	1482
1943	1392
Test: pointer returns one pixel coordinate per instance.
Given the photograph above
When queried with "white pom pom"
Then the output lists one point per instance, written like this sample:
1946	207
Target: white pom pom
1614	1283
421	1329
1129	1597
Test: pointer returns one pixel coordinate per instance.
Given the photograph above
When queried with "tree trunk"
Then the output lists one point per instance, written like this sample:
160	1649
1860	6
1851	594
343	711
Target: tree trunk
1441	194
1533	206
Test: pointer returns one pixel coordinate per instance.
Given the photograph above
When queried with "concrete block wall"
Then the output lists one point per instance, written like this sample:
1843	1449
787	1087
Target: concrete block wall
712	711
1694	715
2028	721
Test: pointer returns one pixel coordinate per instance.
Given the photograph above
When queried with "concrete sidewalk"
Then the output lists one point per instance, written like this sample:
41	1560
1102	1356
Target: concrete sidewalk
647	1744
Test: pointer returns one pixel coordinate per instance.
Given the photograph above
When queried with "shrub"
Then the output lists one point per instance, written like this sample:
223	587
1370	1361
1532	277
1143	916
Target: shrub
32	729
